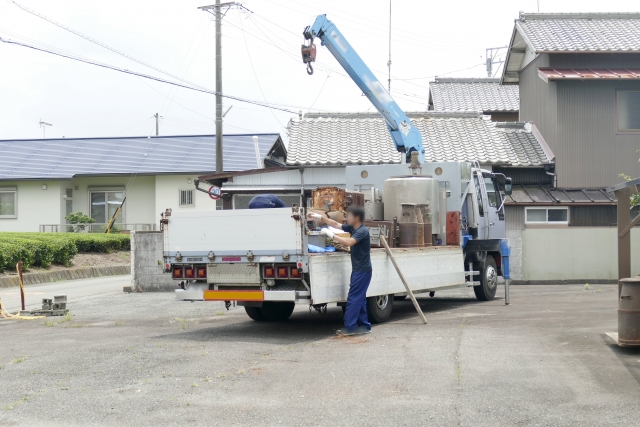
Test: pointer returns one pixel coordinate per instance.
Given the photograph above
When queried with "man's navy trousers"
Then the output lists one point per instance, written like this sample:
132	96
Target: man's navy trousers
356	311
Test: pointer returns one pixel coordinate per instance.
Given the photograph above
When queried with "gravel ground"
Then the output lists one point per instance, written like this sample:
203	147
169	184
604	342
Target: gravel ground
148	360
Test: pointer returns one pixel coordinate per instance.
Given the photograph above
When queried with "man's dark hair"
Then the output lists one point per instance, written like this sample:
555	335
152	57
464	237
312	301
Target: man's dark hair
357	211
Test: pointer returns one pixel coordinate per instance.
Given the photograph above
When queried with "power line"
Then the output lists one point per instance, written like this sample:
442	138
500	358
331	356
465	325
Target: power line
254	69
146	76
318	96
94	41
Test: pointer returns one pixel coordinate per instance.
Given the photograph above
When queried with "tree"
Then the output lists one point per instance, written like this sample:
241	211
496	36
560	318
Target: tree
79	221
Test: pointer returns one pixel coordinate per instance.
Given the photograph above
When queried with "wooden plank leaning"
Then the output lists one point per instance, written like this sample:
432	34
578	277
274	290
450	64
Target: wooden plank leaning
404	281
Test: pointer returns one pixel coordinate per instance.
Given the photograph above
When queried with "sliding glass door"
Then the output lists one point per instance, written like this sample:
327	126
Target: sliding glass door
104	204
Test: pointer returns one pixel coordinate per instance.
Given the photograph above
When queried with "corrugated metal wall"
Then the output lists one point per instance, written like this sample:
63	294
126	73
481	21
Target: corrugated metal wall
514	217
593	216
595	60
538	102
591	154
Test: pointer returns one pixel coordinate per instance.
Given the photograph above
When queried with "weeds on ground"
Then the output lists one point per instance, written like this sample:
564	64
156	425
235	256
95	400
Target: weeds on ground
19	360
51	323
16	403
586	287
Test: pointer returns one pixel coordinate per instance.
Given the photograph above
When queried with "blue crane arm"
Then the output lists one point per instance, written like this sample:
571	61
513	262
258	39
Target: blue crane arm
406	137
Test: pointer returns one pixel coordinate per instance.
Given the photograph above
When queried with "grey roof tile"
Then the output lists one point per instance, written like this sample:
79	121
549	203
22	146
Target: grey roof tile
65	158
586	32
486	95
342	139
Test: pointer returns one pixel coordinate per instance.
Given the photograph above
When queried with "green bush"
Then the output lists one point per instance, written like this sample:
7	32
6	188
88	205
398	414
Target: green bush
42	249
13	253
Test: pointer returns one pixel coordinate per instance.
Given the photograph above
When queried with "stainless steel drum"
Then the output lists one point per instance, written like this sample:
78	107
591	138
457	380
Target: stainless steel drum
629	312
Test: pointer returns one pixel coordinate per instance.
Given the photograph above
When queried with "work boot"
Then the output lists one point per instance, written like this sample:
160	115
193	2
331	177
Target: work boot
361	330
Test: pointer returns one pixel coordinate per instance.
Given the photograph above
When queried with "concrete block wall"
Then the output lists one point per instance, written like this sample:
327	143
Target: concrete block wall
146	263
515	259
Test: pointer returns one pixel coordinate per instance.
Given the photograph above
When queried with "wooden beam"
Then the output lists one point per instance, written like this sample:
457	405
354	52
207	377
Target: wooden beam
404	281
624	240
628	228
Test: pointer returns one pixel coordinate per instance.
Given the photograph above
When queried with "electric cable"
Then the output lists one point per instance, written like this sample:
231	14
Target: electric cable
254	70
146	76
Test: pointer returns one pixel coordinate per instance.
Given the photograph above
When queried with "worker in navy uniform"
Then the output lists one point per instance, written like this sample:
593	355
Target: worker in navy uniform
266	201
355	316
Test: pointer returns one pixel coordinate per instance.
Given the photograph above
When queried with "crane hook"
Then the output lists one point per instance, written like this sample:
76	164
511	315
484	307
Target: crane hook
309	68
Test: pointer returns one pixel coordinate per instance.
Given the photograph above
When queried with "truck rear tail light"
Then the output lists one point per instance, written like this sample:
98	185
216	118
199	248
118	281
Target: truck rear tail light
178	272
189	273
283	272
201	272
269	272
294	273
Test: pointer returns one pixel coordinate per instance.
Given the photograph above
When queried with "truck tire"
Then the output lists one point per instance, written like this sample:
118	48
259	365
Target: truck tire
277	311
379	308
488	279
254	313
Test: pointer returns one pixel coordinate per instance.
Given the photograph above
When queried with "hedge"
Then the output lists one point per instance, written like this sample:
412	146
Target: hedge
43	249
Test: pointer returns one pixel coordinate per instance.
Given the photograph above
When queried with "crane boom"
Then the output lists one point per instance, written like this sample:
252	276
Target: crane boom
406	137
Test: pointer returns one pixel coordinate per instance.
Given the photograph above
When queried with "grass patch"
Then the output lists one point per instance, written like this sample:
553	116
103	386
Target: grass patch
18	360
54	322
16	403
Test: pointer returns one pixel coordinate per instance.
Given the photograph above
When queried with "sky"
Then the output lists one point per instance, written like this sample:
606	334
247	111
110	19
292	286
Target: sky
260	59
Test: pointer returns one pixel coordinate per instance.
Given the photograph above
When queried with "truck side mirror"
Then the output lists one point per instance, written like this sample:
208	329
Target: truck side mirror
507	187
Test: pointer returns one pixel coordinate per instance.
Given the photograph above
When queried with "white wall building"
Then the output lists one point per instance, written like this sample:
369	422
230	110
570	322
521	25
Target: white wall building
42	181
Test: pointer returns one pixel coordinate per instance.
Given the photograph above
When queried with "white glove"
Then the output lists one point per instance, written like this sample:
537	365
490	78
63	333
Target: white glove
314	215
327	232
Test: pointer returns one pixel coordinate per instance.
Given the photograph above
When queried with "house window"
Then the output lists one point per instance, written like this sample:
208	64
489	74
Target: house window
547	215
8	203
104	204
186	198
68	201
628	110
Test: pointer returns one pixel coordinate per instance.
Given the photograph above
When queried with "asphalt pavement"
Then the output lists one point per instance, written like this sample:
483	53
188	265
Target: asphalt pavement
145	359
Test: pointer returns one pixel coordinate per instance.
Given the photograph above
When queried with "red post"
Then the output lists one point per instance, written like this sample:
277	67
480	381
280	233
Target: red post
19	268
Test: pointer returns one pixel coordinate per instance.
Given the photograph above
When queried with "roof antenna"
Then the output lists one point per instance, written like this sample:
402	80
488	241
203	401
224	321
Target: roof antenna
44	125
389	62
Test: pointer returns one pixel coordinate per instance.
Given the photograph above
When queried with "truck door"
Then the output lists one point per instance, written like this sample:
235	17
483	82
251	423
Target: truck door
481	196
495	217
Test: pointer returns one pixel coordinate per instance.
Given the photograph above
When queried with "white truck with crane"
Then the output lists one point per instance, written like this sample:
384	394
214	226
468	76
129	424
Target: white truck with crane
260	258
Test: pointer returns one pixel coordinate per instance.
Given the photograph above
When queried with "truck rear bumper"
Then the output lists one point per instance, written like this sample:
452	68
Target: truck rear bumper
202	293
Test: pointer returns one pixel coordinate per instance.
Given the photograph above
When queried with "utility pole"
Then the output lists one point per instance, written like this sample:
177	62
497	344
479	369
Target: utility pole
157	116
216	10
491	54
389	62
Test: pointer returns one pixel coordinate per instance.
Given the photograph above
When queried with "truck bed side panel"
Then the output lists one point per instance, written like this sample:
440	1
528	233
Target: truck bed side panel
424	268
263	231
